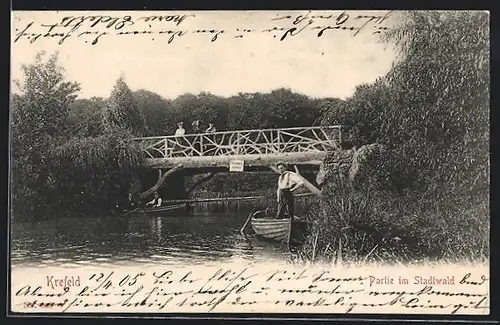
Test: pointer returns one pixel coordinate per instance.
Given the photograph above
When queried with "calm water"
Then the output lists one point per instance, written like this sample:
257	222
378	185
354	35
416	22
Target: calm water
197	237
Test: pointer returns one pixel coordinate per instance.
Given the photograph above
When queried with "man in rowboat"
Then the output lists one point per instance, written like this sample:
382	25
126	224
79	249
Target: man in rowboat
287	183
156	202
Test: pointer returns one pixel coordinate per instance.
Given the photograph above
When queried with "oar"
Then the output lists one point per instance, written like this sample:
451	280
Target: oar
242	230
131	211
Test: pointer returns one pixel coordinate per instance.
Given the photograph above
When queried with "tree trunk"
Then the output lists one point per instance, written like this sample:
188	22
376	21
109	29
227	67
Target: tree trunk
159	183
264	160
307	184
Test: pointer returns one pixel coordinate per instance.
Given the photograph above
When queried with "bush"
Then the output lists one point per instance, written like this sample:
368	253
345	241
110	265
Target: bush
374	225
427	195
102	167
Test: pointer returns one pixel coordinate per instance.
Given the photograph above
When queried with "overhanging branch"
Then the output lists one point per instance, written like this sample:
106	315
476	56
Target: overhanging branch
159	183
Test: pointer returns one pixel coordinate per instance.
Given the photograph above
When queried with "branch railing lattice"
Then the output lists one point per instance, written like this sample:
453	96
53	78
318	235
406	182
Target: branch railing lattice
243	142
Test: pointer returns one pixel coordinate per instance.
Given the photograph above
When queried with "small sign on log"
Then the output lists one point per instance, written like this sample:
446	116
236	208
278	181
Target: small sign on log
236	165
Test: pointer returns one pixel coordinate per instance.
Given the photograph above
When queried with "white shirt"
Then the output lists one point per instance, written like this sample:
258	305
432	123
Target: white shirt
180	132
289	180
152	202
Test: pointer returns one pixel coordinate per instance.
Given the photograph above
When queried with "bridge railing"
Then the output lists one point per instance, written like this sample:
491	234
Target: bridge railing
243	142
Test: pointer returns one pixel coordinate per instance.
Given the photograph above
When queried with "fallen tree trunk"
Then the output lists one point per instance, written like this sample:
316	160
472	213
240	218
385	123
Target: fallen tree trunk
307	184
159	183
264	160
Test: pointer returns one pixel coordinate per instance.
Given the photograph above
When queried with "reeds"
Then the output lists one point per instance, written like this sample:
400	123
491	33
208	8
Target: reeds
364	226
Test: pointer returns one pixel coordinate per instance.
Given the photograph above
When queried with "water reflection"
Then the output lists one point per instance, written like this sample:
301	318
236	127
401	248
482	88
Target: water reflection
163	238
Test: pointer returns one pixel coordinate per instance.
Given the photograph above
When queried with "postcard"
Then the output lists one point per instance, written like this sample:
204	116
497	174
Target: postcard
266	162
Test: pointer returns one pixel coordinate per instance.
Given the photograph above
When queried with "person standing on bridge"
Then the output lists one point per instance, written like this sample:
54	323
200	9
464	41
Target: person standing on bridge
180	130
196	142
287	183
195	126
211	128
179	133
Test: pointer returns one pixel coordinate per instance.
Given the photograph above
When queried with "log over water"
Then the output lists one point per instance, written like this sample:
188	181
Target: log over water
252	161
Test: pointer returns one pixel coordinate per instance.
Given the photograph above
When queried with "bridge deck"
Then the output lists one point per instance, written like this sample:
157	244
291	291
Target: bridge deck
257	148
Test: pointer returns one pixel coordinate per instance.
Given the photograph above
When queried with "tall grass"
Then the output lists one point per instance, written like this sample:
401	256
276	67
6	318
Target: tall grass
373	226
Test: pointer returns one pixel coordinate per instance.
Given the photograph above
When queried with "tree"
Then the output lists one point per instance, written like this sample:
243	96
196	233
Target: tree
280	108
38	116
157	111
213	110
364	113
93	174
243	115
45	97
439	109
290	109
85	117
206	107
122	112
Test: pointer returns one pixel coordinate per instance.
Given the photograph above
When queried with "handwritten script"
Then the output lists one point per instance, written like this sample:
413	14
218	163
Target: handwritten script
96	28
252	289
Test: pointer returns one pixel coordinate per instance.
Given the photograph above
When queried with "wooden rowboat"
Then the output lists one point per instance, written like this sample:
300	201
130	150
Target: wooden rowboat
282	230
275	229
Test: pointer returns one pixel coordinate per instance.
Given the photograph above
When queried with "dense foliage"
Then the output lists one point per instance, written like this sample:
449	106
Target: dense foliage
431	112
432	108
62	157
121	111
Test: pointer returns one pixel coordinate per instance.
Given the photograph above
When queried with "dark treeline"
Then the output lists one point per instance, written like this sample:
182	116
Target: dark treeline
425	192
280	108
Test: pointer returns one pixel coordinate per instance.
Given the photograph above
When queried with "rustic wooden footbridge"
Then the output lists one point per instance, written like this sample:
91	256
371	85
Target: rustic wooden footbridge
241	150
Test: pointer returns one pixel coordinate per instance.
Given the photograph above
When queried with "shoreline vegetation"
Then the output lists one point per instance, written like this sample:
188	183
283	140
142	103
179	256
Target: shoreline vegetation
421	194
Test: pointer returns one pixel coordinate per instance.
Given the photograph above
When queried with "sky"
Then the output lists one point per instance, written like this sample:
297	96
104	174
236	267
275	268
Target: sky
328	66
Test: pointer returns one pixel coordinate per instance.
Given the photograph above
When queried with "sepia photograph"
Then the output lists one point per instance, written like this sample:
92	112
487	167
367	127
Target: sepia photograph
250	161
